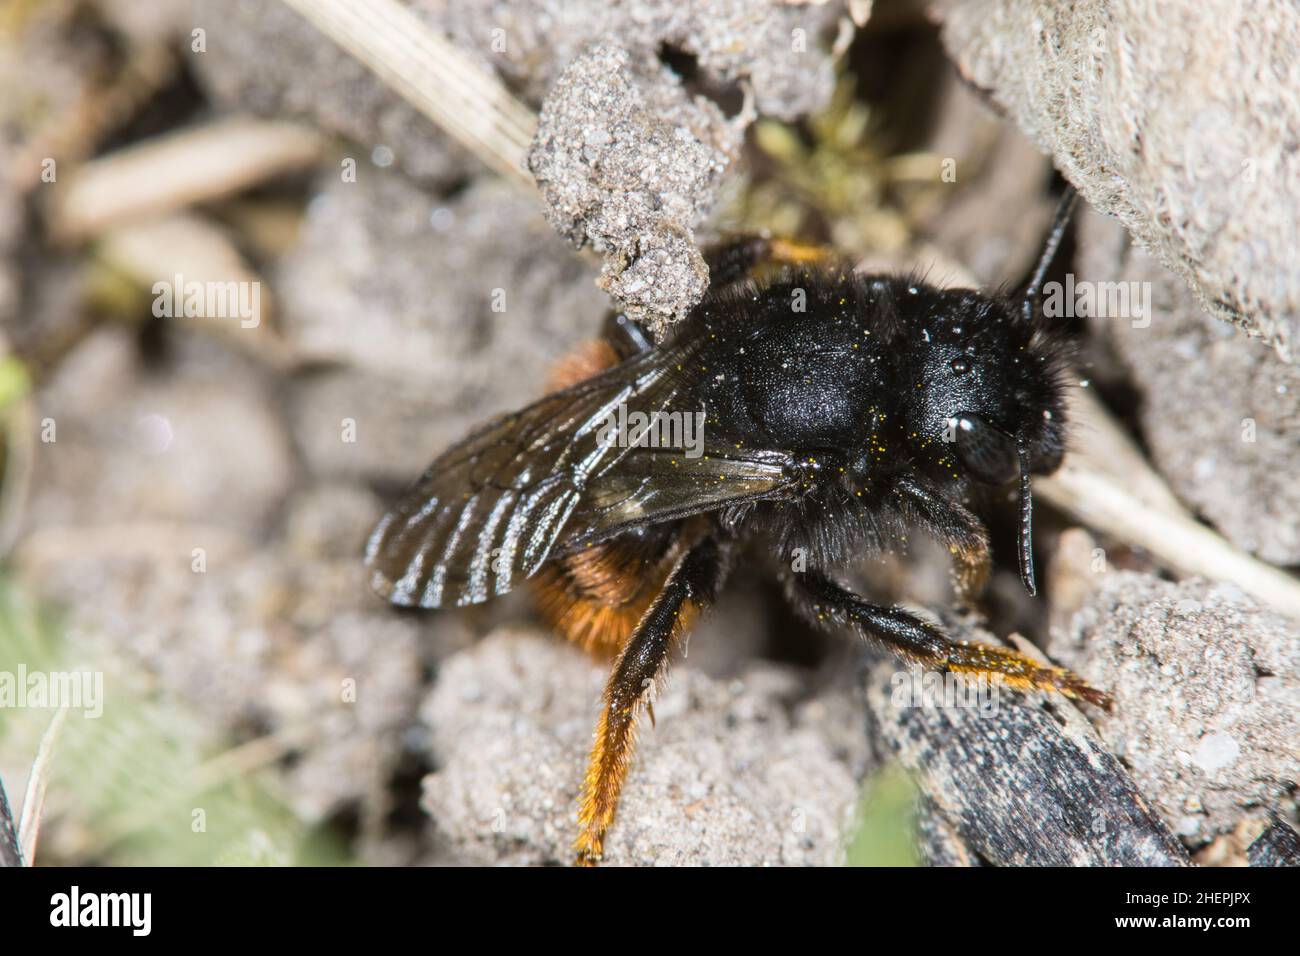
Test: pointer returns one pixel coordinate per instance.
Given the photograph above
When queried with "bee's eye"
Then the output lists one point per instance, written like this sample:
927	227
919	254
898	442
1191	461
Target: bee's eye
987	452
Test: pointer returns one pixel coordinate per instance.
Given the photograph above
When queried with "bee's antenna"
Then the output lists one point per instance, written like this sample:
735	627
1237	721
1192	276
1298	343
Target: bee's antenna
1026	520
1060	222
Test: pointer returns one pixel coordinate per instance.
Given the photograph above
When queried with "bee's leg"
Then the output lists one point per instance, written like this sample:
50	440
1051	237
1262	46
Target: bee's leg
690	587
731	260
625	335
740	257
961	531
791	252
825	602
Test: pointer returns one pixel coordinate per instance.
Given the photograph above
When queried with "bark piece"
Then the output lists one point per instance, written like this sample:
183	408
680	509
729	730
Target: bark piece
1022	780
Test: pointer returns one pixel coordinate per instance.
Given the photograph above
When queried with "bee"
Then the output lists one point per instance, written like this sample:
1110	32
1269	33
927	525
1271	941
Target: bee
801	409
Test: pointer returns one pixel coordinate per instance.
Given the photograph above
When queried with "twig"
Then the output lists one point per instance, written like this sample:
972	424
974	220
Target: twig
188	245
435	77
11	851
29	824
193	165
1106	484
17	449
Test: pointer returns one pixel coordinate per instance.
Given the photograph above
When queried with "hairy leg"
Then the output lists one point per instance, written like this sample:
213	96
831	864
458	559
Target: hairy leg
690	587
961	531
745	256
825	602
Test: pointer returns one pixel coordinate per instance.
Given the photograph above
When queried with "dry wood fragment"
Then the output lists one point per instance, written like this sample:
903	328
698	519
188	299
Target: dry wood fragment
193	165
188	246
435	77
1107	485
1029	784
1279	845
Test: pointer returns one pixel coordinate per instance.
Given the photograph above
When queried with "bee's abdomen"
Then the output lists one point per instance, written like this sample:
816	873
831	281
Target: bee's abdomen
595	597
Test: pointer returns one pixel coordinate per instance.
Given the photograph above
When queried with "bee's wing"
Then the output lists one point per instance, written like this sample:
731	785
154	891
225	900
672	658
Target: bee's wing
493	508
659	484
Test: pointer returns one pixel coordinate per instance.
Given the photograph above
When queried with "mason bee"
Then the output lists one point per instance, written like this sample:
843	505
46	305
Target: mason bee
801	408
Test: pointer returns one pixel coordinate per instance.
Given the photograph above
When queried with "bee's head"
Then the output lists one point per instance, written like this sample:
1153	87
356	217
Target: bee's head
993	408
991	375
991	386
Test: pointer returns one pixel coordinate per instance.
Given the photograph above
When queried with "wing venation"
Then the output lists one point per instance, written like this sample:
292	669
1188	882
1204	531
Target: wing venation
493	508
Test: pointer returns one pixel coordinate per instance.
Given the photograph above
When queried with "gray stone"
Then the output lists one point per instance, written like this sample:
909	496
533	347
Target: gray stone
174	445
1207	697
1179	121
627	161
1220	414
779	49
397	293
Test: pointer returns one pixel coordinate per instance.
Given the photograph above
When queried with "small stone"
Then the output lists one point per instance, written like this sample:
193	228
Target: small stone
1216	752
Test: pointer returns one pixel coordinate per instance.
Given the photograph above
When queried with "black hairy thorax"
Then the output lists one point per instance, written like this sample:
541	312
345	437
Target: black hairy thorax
864	379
